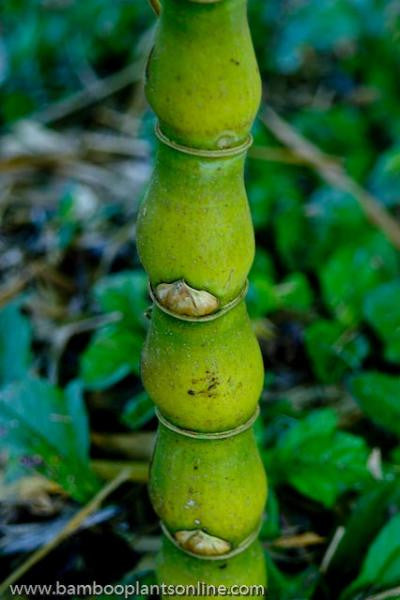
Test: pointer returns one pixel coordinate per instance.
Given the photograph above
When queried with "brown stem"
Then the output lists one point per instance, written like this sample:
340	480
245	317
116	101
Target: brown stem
156	6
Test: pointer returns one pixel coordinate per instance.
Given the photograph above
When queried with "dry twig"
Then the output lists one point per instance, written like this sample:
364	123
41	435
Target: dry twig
138	446
302	540
70	528
331	550
108	469
333	173
281	155
98	90
9	291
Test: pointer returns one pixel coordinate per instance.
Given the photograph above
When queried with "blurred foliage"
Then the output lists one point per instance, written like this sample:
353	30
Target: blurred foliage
324	290
317	459
115	349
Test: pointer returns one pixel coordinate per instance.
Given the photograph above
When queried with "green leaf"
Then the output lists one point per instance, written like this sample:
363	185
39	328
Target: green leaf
385	178
115	350
113	353
378	396
138	411
78	207
283	587
395	456
263	266
266	183
47	429
381	567
318	460
367	518
271	525
126	293
353	271
15	343
334	218
294	293
382	311
292	232
77	411
333	350
262	297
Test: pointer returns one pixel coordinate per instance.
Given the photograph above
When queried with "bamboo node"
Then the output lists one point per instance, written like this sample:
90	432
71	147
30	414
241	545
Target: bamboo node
182	299
226	555
211	316
199	542
222	152
215	435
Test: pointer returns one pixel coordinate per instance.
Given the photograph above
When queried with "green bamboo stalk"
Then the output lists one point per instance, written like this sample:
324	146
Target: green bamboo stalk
201	363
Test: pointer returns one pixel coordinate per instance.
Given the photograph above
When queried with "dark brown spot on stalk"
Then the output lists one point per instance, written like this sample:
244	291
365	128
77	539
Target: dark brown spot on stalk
235	62
210	382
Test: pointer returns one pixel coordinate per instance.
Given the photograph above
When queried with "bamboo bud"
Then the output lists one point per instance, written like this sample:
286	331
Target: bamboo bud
182	299
199	542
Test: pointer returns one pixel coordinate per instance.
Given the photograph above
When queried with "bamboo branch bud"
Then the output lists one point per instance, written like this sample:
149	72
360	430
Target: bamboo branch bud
201	543
182	299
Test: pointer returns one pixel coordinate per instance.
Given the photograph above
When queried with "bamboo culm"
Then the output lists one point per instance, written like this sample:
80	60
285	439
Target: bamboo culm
201	363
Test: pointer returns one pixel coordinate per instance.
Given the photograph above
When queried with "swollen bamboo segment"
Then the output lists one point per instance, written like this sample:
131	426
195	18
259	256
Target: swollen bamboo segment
203	376
195	224
211	485
203	80
201	362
